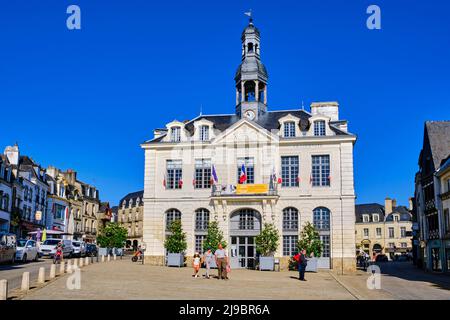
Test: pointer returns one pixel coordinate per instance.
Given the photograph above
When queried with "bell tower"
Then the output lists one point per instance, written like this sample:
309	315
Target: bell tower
251	76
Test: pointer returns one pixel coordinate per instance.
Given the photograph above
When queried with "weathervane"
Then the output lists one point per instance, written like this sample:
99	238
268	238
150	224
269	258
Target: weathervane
249	14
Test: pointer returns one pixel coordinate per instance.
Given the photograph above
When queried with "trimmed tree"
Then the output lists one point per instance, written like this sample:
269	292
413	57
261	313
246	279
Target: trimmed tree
267	240
176	241
310	240
213	237
112	236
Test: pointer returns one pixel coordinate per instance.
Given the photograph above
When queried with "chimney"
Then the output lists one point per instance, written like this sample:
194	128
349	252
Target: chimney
388	205
411	205
12	153
394	204
329	109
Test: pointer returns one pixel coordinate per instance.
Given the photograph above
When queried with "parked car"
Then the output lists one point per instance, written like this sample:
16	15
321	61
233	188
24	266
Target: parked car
91	250
7	247
79	248
27	250
48	248
381	258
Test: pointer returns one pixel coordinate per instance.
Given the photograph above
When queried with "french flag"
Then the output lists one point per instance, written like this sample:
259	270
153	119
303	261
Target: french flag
243	176
214	178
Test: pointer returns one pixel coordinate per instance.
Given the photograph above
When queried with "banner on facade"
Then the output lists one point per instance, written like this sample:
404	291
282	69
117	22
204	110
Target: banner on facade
38	215
252	188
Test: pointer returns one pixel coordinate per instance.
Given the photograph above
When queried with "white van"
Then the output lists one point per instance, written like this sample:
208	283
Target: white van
48	248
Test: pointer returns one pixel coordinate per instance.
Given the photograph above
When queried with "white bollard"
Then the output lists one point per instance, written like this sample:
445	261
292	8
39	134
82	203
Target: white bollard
52	271
3	289
69	267
41	275
109	258
114	257
75	262
25	281
61	267
86	261
81	262
103	258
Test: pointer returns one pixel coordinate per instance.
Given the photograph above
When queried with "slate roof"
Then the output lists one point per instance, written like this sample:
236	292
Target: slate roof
268	120
133	196
374	208
439	138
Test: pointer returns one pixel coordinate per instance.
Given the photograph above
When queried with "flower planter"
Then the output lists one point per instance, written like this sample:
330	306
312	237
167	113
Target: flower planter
175	260
312	265
266	263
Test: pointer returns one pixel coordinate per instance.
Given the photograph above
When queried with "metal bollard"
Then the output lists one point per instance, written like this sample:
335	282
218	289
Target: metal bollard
52	271
41	275
3	289
61	267
25	282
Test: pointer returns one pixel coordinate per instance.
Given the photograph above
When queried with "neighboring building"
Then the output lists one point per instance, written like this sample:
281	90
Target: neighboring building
30	192
443	176
58	209
115	212
6	194
130	214
431	197
105	216
383	229
310	153
84	205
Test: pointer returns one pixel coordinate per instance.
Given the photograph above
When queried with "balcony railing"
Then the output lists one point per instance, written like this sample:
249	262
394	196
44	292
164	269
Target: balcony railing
243	190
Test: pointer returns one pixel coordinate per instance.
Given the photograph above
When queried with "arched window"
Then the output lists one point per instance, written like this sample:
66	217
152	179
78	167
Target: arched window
290	231
247	220
321	218
201	219
250	47
172	215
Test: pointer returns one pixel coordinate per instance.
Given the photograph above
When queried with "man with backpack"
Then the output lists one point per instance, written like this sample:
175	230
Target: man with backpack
302	263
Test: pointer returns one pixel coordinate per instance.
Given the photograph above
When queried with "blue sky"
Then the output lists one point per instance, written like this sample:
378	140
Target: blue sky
86	99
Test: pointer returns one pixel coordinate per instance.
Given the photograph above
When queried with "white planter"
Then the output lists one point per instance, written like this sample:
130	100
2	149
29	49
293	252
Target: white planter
266	263
175	260
312	265
103	251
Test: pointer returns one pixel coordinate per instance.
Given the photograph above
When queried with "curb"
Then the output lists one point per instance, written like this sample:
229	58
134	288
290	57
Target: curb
352	292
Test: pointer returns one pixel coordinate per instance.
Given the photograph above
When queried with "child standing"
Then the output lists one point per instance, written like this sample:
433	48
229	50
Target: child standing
196	264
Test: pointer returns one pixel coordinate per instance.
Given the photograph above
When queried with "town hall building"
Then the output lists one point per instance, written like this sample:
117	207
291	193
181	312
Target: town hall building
251	167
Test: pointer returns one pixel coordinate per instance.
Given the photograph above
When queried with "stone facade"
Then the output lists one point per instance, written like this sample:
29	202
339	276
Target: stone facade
300	162
130	215
383	230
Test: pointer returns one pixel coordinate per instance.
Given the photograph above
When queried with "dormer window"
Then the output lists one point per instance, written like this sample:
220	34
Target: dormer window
204	133
175	134
396	217
289	129
366	218
376	218
319	128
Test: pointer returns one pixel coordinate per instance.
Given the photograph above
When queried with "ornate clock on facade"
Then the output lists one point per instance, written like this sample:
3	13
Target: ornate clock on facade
250	114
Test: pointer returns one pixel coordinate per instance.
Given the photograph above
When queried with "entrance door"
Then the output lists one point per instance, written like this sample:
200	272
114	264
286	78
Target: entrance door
243	251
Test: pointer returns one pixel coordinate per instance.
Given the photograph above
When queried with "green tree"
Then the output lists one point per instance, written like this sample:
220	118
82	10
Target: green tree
112	236
214	237
176	241
267	240
310	240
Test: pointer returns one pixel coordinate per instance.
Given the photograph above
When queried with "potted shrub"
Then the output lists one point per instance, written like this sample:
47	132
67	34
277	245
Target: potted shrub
112	236
175	245
310	241
212	240
266	246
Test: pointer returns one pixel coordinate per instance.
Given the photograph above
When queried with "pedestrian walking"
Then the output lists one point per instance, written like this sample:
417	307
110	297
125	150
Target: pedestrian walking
196	264
302	263
208	257
222	262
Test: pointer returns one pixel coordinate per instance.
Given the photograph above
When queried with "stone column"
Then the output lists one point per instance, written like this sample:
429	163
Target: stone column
242	91
256	90
237	96
265	94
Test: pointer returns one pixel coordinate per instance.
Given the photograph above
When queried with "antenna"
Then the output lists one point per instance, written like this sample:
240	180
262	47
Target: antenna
201	108
303	105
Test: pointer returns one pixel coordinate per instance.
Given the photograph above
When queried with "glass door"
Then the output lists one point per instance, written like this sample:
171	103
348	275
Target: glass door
243	252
